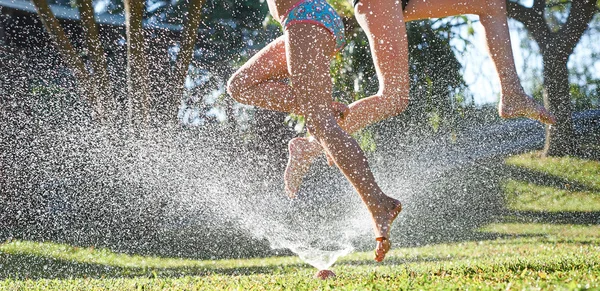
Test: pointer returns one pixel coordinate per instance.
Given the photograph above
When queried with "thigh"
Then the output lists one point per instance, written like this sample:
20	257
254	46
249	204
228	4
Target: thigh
309	49
425	9
383	22
270	63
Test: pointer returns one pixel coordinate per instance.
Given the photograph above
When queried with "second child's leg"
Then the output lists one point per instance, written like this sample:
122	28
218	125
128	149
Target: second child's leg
492	14
309	48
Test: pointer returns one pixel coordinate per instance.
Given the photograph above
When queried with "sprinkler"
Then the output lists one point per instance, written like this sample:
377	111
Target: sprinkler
324	274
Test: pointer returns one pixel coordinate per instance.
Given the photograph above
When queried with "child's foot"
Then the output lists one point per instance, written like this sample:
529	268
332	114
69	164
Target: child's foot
383	223
525	107
302	153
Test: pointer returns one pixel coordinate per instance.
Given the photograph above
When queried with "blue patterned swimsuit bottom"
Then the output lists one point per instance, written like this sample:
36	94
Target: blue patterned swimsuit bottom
320	13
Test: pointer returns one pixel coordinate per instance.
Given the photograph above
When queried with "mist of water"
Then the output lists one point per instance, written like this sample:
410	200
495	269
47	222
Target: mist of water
109	187
170	181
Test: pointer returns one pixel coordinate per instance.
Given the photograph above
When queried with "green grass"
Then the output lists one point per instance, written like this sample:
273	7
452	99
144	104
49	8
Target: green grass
554	184
527	196
515	256
527	256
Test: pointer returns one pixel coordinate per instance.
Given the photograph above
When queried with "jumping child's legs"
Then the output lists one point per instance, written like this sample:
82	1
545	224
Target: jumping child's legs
383	23
309	49
260	81
390	55
303	56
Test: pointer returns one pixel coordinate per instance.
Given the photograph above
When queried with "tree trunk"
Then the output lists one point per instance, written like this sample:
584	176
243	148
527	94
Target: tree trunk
96	53
64	47
556	47
137	67
560	138
188	41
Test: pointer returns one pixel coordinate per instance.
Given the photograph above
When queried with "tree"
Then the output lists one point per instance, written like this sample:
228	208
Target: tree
556	43
98	59
96	86
68	53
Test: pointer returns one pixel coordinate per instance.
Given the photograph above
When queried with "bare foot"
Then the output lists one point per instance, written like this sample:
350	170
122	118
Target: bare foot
383	224
302	154
525	107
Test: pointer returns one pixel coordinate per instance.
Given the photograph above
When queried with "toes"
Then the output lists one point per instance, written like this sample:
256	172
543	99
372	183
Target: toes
539	113
546	117
383	246
529	109
291	185
292	193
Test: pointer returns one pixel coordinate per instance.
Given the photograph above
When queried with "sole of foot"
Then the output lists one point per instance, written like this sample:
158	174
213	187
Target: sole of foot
302	153
526	108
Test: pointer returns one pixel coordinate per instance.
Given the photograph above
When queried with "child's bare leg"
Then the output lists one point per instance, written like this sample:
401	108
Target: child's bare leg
492	14
384	26
259	81
309	48
513	103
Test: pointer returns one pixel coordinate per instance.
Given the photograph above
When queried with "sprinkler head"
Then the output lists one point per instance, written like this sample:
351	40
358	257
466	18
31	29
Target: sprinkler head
324	274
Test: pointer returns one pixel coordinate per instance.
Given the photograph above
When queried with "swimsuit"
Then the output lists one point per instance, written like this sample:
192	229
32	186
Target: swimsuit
404	3
317	12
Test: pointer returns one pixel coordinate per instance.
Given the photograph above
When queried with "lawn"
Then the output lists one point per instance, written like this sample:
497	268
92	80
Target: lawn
519	254
553	184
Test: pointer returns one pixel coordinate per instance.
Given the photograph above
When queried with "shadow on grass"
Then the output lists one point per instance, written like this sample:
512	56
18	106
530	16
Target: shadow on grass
24	266
561	217
543	179
452	207
394	260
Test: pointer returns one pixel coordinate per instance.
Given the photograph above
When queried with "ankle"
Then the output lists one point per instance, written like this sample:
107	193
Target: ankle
512	94
384	205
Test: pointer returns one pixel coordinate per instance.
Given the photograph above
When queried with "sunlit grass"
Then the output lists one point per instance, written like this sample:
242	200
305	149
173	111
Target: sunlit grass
524	256
564	184
515	256
527	196
576	170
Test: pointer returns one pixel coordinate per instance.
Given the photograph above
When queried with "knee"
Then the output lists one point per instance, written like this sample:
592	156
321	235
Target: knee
395	102
234	88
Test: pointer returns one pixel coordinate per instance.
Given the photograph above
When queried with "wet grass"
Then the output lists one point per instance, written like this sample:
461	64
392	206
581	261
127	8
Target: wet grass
566	184
543	244
528	256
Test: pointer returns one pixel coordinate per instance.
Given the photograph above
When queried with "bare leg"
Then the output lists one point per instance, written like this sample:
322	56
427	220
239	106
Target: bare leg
383	23
259	81
391	57
309	48
492	14
514	102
